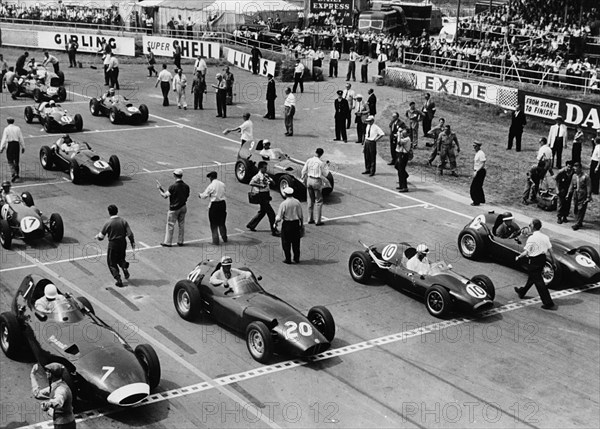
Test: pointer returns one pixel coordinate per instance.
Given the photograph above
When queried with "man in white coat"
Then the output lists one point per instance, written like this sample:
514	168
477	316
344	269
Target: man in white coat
179	85
557	140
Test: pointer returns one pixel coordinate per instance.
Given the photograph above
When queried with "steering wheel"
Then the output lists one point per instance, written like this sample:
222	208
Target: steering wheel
525	231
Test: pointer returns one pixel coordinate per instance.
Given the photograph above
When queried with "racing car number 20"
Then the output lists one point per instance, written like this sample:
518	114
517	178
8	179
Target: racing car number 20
303	328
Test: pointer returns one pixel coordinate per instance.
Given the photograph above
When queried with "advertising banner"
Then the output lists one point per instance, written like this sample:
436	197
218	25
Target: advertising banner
163	47
56	40
343	9
549	107
244	61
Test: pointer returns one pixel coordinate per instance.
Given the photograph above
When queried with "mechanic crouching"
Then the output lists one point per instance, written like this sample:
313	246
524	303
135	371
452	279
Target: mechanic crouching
58	396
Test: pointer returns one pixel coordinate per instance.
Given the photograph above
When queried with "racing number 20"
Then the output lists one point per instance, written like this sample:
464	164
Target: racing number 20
304	328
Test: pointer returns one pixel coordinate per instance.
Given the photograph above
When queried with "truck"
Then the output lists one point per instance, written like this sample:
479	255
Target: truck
400	17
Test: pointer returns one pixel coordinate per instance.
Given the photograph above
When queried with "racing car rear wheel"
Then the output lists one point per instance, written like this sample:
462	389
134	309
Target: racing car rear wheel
46	158
113	115
259	342
147	356
27	198
86	304
327	191
61	77
5	234
28	114
552	273
285	181
590	252
11	337
37	95
360	266
186	299
438	302
115	164
144	112
322	319
242	171
56	227
470	244
94	107
75	172
78	122
486	283
61	94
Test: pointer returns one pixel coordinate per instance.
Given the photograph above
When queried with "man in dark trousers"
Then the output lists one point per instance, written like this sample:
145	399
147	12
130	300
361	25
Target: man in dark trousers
217	207
271	96
557	140
58	397
537	246
177	54
563	181
260	185
13	142
20	65
428	113
221	92
178	194
290	213
518	122
395	125
256	56
479	171
581	192
342	110
298	76
372	102
72	47
117	230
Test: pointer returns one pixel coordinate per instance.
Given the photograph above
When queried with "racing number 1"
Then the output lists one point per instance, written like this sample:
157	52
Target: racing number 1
109	370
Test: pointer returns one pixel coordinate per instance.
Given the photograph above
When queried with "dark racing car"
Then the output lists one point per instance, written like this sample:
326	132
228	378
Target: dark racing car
442	289
80	160
19	218
119	110
53	117
268	323
102	368
284	171
42	85
479	238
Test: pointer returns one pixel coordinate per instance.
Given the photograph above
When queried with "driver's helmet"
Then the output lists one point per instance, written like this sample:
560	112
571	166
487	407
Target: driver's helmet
423	249
226	261
67	139
6	186
111	92
52	103
506	216
50	292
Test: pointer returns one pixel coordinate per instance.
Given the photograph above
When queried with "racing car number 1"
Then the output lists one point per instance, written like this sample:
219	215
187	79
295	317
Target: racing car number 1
304	328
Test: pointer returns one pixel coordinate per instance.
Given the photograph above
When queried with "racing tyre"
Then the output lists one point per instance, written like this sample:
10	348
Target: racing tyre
5	234
78	123
186	299
149	360
47	125
37	95
46	158
56	227
259	342
86	304
115	164
61	94
322	319
27	198
75	172
61	78
552	273
11	337
113	115
95	107
328	191
486	283
284	181
145	113
470	244
590	252
360	266
438	302
242	171
28	114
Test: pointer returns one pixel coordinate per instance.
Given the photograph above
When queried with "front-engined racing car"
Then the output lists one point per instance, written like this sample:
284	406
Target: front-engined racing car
442	288
42	85
53	117
285	171
80	160
577	264
119	110
19	218
101	367
268	323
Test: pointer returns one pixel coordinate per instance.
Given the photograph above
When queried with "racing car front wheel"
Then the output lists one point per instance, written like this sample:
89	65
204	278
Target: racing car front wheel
285	181
46	158
590	252
486	283
78	122
552	273
144	112
149	360
86	304
37	95
322	319
259	342
438	301
61	94
29	114
360	266
56	227
186	299
242	171
94	107
5	234
115	164
75	172
470	244
48	127
11	336
113	115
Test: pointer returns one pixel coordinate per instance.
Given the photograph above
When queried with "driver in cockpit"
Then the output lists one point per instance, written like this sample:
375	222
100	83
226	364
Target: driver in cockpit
419	262
267	153
508	228
226	273
67	145
50	301
6	192
109	95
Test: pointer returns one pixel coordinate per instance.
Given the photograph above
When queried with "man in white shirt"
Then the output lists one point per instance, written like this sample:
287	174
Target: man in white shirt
381	60
217	207
479	172
372	134
557	140
179	86
164	78
352	65
334	57
13	142
51	59
113	71
246	129
419	262
200	65
298	74
545	154
222	276
266	152
290	109
313	173
595	167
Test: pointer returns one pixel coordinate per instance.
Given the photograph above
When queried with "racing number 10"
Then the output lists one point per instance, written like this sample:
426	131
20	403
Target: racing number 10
304	328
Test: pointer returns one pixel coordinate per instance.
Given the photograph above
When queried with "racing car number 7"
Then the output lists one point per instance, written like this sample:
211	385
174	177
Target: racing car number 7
109	370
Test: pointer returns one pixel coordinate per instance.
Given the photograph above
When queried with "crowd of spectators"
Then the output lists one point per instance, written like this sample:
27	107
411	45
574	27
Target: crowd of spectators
58	12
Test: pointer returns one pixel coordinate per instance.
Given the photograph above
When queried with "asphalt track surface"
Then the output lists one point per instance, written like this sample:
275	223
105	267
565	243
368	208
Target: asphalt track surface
391	364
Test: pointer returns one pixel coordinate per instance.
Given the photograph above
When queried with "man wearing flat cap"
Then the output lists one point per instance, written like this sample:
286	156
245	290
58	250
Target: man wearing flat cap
290	213
557	140
477	195
342	111
563	181
58	398
178	193
217	207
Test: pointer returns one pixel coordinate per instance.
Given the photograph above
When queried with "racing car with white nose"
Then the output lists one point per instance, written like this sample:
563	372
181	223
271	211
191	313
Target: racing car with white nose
442	289
269	324
119	110
100	367
53	117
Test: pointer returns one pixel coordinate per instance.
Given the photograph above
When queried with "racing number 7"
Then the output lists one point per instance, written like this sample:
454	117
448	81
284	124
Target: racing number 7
109	370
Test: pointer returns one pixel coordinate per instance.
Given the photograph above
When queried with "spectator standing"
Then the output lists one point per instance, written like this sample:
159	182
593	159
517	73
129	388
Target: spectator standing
334	57
20	64
360	115
581	192
290	109
381	60
176	54
189	28
178	194
149	25
246	129
372	134
395	125
349	95
256	56
58	396
595	167
164	78
271	96
313	173
563	182
259	184
428	110
113	71
557	140
576	145
200	65
3	71
290	214
229	80
342	110
447	142
13	142
117	230
352	65
105	51
71	48
298	77
151	60
364	68
372	102
217	207
479	172
517	123
51	59
198	89
179	85
435	133
537	246
221	93
413	116
402	154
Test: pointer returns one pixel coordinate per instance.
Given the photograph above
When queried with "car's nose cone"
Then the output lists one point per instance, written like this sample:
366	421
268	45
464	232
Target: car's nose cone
129	395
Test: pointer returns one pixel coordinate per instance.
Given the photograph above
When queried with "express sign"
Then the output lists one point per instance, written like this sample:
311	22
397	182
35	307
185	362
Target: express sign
343	8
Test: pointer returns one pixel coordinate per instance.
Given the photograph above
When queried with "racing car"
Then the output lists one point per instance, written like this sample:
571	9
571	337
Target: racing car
281	168
43	85
478	239
268	323
19	218
80	160
443	289
119	110
104	367
53	117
